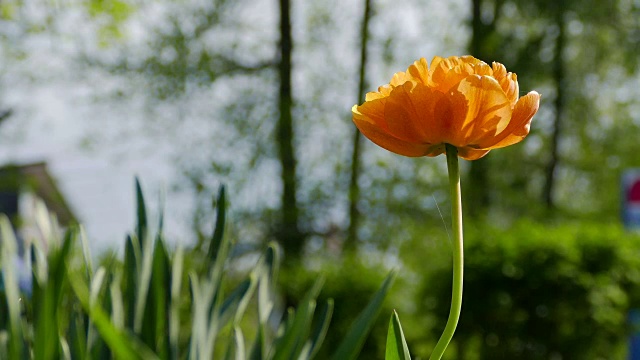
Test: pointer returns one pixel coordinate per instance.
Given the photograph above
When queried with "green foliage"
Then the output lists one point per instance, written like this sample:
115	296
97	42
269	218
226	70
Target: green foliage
115	12
116	9
141	307
536	291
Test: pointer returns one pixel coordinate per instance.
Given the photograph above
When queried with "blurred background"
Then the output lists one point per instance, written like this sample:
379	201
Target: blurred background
191	94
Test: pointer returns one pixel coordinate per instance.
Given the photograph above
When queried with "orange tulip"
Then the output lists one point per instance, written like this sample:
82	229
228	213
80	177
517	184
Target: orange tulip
460	101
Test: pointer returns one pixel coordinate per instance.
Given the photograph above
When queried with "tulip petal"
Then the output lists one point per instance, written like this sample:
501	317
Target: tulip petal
481	109
468	153
439	69
372	110
401	114
518	128
399	78
499	71
377	135
416	113
510	86
419	71
446	73
508	81
373	95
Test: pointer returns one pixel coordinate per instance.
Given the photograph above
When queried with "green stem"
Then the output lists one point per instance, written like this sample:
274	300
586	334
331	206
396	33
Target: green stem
458	253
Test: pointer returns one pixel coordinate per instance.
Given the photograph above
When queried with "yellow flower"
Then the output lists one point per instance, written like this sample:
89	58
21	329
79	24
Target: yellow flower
460	101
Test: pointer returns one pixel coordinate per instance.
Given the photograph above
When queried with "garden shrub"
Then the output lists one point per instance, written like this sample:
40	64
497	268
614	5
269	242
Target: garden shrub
536	291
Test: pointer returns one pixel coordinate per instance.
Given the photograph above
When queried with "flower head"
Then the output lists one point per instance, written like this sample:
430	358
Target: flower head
460	101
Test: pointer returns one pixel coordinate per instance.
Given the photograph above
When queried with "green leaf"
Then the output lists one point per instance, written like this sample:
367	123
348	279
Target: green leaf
161	213
270	262
94	293
121	344
129	278
47	304
238	299
117	303
174	308
78	337
141	212
203	318
258	349
291	343
11	290
397	348
352	344
96	286
218	233
198	326
143	284
267	271
239	342
155	327
86	252
313	345
235	350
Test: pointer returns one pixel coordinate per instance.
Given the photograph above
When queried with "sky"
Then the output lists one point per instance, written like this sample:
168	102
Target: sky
63	115
98	183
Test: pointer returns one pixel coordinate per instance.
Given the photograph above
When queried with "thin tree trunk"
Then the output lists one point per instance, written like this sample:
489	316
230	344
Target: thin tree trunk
559	104
289	233
354	190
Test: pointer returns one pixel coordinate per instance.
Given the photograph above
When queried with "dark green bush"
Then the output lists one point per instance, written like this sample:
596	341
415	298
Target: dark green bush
541	292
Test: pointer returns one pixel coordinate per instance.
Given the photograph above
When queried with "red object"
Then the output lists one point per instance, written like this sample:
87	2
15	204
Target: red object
634	192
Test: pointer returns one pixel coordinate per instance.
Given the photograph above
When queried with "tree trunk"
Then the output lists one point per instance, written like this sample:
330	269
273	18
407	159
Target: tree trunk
354	190
289	234
559	104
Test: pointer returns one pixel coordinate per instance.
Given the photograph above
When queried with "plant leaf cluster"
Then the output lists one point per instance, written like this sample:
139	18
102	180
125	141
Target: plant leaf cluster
157	303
